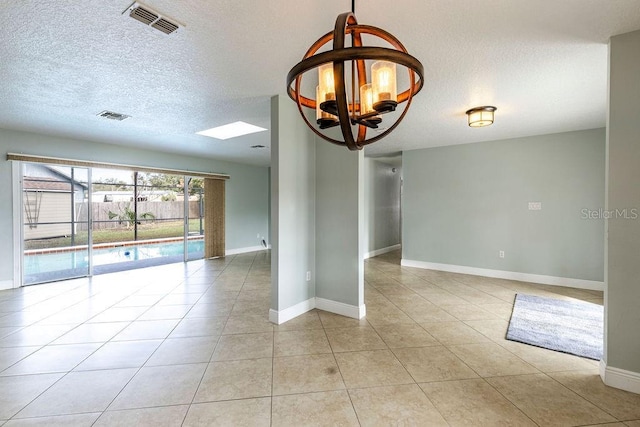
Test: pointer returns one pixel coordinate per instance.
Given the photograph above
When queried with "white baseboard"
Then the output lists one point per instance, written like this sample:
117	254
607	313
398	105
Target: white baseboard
353	311
382	251
6	284
509	275
279	317
243	250
619	378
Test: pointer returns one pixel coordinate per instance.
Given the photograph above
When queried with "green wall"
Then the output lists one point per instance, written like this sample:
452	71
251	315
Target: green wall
317	217
340	224
382	204
463	204
293	186
622	292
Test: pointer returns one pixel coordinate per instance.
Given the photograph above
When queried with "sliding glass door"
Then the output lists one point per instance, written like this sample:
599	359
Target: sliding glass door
83	221
113	221
140	219
55	222
194	214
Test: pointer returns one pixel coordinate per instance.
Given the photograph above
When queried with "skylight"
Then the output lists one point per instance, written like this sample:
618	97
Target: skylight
231	130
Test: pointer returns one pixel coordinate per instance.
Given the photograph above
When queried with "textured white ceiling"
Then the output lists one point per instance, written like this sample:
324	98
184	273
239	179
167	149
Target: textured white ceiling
542	63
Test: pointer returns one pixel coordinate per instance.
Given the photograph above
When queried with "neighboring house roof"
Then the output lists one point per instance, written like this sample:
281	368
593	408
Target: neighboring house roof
64	176
47	184
41	177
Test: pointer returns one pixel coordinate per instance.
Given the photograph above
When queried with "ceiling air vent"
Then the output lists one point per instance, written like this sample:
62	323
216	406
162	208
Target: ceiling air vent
164	26
148	16
112	116
143	15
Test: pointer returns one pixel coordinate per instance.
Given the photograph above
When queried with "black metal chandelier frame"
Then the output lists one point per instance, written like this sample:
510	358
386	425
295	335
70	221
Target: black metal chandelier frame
348	114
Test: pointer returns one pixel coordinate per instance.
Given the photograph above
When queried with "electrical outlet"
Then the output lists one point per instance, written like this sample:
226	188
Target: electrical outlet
308	276
501	254
258	236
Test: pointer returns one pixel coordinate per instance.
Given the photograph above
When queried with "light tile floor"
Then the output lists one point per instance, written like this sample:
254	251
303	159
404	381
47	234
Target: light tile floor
190	344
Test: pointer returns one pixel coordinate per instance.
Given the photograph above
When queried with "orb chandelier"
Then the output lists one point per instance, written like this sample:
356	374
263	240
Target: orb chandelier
360	105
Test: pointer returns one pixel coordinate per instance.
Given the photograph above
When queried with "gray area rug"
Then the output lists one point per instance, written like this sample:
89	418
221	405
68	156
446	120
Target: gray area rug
569	326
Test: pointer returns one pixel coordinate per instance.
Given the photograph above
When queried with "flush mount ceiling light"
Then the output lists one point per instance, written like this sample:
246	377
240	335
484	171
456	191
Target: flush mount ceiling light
360	104
231	130
481	116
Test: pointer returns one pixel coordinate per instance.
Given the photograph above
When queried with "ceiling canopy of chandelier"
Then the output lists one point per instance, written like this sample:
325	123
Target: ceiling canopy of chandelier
361	104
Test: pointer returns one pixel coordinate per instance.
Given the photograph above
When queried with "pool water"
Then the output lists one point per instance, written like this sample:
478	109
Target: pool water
40	266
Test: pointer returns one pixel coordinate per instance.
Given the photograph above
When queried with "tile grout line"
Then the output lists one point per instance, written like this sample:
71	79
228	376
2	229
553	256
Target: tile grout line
195	392
57	381
144	363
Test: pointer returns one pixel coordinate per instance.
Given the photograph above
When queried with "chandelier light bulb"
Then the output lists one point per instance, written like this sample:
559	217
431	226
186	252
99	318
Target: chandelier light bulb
384	81
326	82
366	98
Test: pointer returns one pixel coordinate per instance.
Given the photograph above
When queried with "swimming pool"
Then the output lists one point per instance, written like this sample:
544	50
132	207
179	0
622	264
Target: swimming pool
43	267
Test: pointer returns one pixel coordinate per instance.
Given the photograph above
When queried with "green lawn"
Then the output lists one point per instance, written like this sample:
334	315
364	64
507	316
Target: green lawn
148	231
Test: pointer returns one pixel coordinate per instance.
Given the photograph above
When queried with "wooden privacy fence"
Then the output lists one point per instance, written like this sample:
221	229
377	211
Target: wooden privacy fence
159	210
